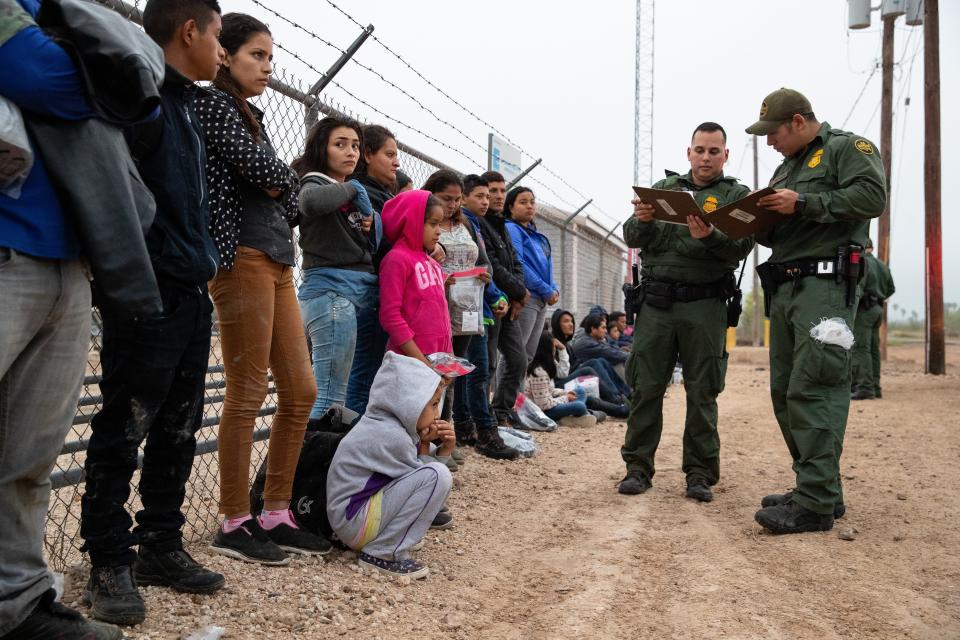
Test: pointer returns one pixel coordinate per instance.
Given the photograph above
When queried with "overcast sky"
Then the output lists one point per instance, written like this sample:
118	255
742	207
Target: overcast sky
558	78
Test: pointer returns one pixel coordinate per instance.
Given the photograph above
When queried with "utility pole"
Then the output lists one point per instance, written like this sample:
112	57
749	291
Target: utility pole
886	155
757	320
936	348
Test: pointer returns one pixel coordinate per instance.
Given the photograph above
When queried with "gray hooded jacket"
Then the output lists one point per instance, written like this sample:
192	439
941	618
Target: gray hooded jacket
383	445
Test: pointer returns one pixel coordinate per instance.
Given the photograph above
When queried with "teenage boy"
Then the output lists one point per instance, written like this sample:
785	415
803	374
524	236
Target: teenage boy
476	385
592	343
154	368
45	325
504	335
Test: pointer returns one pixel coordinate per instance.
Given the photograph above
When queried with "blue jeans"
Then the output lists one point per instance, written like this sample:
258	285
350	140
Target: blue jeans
576	408
471	393
371	345
331	322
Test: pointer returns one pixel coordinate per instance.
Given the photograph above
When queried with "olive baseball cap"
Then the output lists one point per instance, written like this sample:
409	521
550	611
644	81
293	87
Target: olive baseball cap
777	108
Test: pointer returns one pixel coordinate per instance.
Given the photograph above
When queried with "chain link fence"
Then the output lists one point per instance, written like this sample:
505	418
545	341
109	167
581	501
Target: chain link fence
597	266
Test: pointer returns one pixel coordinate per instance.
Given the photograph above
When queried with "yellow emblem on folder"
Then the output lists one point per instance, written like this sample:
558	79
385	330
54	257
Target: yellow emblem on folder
815	158
710	204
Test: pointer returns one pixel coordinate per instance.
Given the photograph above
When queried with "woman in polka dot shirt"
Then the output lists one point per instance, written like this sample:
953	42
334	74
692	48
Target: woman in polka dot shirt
253	206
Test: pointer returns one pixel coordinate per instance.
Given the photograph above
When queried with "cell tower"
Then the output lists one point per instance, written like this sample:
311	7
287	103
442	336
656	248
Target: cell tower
643	107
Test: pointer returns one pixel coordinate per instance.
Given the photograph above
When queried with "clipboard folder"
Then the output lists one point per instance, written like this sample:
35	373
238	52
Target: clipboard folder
737	219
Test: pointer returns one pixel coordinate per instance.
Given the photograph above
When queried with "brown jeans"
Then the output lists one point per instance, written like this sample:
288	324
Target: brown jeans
260	326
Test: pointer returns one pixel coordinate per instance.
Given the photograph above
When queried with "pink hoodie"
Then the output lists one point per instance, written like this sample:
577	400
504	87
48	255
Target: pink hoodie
413	301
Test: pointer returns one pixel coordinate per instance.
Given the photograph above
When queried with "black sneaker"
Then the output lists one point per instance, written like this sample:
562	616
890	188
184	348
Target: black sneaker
398	568
250	543
294	540
790	517
112	595
634	483
775	499
491	445
443	520
698	489
51	620
174	569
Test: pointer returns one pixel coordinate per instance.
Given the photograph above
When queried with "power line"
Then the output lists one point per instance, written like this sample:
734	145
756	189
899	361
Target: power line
862	91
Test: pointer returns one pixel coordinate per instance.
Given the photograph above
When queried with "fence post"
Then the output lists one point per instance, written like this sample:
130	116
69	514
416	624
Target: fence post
563	246
313	110
603	251
523	174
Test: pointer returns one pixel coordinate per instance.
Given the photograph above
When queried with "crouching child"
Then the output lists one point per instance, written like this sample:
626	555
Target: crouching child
382	490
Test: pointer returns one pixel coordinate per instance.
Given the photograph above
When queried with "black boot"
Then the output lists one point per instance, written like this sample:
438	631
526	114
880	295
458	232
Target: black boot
53	620
863	393
491	445
466	433
634	483
774	499
112	595
699	489
790	517
174	569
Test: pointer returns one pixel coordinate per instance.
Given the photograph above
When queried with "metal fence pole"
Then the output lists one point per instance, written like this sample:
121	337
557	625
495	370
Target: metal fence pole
313	111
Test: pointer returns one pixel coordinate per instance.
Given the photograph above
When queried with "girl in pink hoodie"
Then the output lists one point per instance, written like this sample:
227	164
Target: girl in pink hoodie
413	302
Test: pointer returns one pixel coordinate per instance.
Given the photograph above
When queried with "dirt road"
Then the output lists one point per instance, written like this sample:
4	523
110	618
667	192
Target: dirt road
547	549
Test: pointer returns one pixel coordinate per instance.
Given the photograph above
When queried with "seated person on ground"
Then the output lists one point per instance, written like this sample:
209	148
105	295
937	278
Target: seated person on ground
565	407
592	343
382	494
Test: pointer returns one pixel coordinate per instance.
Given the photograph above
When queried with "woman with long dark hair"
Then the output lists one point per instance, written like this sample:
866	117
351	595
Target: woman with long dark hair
534	252
338	239
253	207
376	171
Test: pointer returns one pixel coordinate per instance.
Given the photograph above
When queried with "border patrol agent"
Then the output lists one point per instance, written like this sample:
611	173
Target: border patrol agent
829	186
687	284
877	287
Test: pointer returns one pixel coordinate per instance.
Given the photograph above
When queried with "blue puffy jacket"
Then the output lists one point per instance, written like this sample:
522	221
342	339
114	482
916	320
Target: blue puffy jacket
37	75
534	252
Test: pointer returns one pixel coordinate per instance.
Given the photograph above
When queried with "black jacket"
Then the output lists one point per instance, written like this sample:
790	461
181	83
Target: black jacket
507	270
172	159
378	195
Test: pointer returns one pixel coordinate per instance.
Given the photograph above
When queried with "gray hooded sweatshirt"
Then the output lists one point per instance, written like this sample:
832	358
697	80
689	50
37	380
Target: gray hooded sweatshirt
383	445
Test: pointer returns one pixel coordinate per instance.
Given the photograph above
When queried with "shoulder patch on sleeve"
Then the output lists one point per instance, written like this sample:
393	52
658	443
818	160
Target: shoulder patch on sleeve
863	146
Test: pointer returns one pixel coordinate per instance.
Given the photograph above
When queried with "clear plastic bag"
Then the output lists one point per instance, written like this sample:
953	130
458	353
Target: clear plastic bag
590	384
16	157
465	301
522	442
531	416
449	365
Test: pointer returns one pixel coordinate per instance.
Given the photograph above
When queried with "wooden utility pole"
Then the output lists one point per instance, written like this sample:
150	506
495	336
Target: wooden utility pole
886	154
757	298
936	346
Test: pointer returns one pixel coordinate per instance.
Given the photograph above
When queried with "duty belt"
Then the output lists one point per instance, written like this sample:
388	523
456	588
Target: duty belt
662	295
847	266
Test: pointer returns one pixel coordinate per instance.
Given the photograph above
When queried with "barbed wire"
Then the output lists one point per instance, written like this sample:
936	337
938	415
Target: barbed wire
373	71
467	110
375	109
425	108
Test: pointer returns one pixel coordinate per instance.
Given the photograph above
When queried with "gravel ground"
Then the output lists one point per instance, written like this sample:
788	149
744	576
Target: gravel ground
546	548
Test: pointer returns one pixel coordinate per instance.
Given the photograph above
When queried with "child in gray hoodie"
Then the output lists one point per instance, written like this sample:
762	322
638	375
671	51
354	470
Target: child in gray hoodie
382	489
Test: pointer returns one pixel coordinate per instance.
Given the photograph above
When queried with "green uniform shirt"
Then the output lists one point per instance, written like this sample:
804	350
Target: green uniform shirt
670	254
841	176
878	280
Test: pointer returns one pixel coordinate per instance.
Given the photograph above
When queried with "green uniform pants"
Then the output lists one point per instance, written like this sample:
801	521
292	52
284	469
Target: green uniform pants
866	350
810	387
696	332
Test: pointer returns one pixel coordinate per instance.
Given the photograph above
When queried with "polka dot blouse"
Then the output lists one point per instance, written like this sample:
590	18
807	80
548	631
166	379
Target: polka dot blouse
233	155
